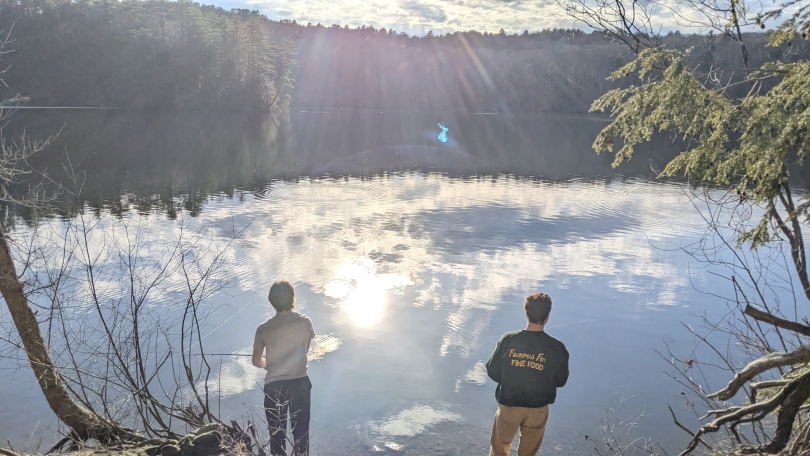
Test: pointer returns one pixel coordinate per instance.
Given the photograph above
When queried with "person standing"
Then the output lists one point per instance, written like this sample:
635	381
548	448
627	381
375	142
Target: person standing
528	366
284	341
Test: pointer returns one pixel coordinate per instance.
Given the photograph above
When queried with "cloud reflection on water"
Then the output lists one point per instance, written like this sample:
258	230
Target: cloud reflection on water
459	250
414	420
463	244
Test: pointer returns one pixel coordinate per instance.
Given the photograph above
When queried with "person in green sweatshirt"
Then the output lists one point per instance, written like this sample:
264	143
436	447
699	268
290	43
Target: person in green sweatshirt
528	366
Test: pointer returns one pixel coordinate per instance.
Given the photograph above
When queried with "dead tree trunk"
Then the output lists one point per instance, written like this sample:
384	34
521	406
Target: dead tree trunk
83	423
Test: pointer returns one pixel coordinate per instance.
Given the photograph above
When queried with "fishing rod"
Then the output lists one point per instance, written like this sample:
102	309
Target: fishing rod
218	354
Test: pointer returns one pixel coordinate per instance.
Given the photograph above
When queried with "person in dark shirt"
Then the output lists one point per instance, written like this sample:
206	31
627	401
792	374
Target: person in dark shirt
528	367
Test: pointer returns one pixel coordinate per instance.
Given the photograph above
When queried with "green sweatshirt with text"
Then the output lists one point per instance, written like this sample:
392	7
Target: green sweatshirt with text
528	366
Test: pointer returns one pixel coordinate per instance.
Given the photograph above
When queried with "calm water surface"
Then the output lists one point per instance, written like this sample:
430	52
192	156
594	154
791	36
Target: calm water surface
411	275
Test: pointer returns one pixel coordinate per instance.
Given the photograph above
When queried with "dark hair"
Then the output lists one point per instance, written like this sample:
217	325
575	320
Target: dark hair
538	306
282	296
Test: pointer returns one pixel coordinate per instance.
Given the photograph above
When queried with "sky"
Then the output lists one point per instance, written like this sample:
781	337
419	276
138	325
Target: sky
415	16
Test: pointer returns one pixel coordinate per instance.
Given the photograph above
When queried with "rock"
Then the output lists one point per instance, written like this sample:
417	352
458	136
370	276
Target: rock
394	447
169	442
170	450
186	440
211	440
204	441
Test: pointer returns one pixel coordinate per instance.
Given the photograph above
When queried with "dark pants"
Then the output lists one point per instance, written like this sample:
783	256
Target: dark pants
280	398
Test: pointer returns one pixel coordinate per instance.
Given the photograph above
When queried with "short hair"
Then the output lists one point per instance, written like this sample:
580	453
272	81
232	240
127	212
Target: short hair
282	296
538	306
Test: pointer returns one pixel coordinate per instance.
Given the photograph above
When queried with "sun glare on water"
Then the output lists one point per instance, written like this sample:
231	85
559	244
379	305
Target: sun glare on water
361	292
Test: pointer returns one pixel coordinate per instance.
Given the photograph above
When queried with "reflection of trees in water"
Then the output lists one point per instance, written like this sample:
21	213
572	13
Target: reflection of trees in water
174	163
161	162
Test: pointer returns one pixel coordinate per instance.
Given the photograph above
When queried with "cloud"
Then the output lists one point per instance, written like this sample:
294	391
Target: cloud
420	16
447	16
431	13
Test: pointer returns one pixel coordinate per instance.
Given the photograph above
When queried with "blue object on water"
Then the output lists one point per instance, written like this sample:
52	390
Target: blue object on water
443	134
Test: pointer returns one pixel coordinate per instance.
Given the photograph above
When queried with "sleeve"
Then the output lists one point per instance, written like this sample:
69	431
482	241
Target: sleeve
311	329
258	342
494	365
561	376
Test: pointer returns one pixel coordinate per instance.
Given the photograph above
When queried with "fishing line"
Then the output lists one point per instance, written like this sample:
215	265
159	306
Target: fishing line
216	354
229	318
220	325
550	327
572	323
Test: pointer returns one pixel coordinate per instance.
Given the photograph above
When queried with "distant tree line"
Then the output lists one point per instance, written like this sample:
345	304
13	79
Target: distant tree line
550	70
179	54
146	54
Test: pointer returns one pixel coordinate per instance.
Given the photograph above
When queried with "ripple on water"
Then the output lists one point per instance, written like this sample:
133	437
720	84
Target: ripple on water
581	201
374	193
298	245
265	193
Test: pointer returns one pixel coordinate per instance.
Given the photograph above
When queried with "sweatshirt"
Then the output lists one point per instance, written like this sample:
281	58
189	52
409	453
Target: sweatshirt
528	366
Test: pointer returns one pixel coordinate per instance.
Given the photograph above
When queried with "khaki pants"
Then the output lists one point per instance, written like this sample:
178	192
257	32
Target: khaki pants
532	425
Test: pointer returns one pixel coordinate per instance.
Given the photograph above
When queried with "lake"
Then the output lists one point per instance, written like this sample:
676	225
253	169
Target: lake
411	246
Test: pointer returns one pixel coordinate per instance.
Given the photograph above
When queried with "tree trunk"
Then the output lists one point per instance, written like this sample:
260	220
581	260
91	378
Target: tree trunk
83	422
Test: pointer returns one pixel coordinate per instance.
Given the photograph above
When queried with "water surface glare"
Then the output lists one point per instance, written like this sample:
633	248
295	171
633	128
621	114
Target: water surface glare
410	279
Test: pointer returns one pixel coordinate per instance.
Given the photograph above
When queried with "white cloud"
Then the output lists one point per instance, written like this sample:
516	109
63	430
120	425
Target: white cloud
419	16
447	16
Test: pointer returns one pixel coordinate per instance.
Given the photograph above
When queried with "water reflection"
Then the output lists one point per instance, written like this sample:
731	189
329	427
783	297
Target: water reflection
175	163
477	375
323	344
237	375
411	278
410	274
361	292
414	420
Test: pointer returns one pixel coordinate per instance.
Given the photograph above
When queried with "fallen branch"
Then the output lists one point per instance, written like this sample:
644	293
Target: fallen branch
758	366
755	387
795	394
789	396
771	319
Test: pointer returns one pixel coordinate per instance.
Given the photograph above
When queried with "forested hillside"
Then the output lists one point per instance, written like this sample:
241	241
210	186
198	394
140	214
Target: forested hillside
178	54
559	70
146	54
